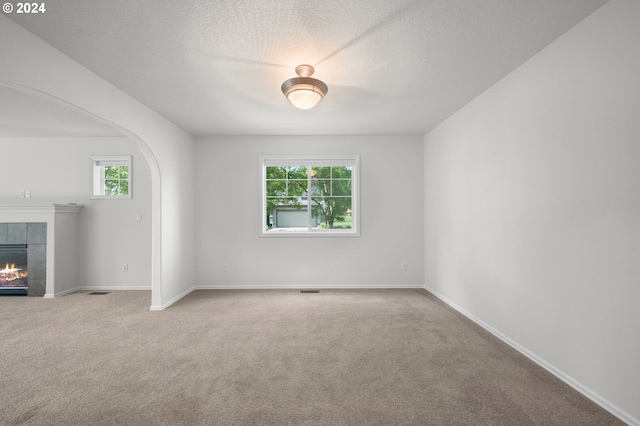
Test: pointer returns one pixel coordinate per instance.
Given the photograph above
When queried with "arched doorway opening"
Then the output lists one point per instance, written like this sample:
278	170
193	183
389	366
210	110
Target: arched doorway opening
48	115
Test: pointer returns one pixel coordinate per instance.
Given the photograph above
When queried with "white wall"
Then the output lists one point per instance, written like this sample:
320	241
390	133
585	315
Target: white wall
56	170
30	64
532	207
228	216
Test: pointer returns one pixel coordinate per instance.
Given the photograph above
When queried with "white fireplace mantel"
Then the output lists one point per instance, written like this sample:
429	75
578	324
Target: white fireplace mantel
41	208
62	248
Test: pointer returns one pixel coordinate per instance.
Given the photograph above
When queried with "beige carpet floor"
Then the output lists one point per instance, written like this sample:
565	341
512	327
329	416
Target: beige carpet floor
269	357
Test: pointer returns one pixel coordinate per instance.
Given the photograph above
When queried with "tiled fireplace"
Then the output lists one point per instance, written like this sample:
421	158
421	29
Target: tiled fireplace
49	234
23	258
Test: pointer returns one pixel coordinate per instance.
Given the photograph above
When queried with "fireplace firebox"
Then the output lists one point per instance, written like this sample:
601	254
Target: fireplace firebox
13	269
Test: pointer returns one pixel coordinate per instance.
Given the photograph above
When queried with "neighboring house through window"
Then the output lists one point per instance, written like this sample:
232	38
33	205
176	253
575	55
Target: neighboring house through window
309	195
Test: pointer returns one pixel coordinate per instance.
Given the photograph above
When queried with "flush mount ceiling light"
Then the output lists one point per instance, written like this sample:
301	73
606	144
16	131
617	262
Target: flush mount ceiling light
303	91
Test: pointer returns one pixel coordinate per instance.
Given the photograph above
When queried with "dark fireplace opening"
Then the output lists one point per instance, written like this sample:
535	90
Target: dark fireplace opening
13	269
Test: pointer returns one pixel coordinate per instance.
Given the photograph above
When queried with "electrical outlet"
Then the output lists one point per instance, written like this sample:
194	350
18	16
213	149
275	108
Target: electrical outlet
139	217
405	266
125	267
226	267
27	193
21	194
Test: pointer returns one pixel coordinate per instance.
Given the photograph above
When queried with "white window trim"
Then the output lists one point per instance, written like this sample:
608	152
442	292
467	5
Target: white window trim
96	177
312	160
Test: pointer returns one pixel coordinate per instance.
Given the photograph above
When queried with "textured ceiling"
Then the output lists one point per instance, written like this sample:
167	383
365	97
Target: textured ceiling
392	67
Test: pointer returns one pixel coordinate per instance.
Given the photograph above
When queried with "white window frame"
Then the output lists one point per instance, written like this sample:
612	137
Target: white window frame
96	176
311	160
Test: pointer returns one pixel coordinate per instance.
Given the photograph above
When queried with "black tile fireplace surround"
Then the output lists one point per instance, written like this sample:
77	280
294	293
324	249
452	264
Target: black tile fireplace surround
23	260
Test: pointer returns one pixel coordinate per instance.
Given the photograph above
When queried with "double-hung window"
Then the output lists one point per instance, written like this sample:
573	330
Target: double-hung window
309	195
110	177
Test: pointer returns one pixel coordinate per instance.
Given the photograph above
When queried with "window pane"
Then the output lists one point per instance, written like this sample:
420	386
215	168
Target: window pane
341	172
321	187
276	188
111	187
269	213
319	172
124	187
286	212
296	172
111	172
124	172
334	212
341	187
287	217
297	187
276	173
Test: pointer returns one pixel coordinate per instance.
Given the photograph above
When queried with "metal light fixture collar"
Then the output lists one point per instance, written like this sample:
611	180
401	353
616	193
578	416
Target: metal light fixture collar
303	91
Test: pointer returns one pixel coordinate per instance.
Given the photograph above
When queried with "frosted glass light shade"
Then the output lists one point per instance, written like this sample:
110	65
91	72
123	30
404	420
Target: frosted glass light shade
304	92
304	98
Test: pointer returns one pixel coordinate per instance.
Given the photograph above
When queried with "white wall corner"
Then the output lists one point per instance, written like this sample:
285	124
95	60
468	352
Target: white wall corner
172	301
575	384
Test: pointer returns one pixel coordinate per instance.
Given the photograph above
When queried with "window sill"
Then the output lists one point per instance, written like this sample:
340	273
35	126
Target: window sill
289	233
110	197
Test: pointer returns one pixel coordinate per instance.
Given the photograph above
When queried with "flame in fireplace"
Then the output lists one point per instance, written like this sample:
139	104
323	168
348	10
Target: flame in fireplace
10	274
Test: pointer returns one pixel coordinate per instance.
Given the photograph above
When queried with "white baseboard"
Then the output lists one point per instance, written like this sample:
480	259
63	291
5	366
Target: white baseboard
172	301
96	288
112	288
59	294
593	396
306	286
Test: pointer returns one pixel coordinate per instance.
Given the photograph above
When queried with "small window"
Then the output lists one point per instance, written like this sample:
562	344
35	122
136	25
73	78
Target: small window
111	177
309	196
